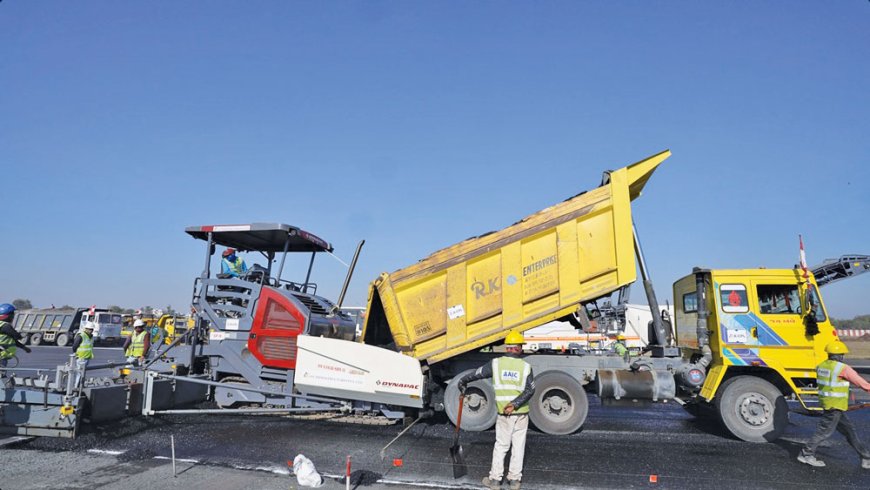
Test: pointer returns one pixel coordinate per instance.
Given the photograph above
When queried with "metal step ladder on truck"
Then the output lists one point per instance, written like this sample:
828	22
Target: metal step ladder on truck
740	344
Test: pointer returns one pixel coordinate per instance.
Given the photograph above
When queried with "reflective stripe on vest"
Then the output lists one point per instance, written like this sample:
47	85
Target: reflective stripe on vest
509	376
833	391
137	345
86	348
8	344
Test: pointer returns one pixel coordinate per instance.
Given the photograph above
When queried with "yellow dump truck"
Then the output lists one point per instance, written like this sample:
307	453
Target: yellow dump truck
451	309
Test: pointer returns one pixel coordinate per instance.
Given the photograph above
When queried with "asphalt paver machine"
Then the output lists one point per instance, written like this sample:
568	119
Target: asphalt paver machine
260	344
271	344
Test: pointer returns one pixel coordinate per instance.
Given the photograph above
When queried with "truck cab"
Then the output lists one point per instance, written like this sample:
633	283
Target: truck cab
767	329
107	325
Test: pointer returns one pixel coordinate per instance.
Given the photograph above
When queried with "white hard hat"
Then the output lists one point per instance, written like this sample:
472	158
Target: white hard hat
88	325
138	323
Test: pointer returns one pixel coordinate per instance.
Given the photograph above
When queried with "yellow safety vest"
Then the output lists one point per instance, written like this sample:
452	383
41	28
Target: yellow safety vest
86	348
620	348
509	379
137	344
833	391
8	344
236	265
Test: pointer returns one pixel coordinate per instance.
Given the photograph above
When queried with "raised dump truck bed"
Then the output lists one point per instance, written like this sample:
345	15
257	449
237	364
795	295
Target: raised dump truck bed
541	268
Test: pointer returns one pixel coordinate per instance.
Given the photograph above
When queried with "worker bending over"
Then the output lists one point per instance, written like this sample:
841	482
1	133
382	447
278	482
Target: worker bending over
514	386
833	377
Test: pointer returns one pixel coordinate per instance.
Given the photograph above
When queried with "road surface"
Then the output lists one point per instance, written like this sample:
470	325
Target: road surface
617	448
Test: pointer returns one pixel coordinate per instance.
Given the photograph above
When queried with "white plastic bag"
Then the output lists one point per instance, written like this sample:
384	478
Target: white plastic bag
305	473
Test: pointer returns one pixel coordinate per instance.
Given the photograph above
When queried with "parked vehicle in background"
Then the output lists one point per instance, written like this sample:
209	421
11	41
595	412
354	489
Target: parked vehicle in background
49	325
59	325
107	326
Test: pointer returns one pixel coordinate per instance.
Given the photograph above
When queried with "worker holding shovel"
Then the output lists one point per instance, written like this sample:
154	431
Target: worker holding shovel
514	385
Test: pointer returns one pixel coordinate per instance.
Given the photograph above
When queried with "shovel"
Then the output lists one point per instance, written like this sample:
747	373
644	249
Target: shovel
459	468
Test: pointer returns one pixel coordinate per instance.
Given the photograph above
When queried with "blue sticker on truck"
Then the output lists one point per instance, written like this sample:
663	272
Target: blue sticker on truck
737	329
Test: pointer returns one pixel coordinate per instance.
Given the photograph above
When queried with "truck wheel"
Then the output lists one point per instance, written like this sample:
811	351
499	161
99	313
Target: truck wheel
752	409
559	405
36	339
478	411
62	339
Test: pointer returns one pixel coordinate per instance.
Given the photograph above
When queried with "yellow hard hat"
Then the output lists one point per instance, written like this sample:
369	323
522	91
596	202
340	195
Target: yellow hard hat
514	338
836	347
620	336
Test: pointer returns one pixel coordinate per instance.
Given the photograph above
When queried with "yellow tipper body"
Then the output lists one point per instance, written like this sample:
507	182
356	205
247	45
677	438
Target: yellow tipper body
472	294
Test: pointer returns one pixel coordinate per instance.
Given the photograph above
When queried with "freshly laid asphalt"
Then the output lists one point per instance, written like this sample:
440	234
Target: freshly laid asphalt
659	446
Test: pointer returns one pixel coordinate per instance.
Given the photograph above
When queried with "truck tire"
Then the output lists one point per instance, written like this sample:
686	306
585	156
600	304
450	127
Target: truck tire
479	410
36	339
752	409
559	405
62	339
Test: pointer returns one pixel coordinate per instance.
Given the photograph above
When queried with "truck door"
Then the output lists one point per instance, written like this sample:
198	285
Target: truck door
779	330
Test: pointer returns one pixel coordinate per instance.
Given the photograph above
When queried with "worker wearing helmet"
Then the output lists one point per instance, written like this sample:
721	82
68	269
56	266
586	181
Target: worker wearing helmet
619	346
514	386
833	378
232	265
10	339
83	346
137	344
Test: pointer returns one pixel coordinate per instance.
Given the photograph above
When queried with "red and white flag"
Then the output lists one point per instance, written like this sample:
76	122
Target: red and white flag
92	310
803	258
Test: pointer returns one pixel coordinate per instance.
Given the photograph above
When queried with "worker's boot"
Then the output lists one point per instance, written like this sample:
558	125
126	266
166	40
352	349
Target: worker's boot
811	460
491	484
514	484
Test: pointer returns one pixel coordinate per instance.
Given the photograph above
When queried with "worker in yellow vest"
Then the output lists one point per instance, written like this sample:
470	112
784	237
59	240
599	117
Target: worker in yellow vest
619	346
833	378
83	346
10	339
232	265
514	386
137	344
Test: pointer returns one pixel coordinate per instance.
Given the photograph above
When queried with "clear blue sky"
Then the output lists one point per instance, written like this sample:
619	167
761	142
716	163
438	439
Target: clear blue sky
415	125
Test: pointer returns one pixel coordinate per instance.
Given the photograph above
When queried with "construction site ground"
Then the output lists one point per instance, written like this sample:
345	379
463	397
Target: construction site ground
627	447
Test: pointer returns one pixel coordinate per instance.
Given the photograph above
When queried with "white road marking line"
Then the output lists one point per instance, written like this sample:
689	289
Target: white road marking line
193	461
286	472
106	451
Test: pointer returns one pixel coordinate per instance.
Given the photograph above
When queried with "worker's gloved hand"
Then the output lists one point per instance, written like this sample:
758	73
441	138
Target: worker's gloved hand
462	386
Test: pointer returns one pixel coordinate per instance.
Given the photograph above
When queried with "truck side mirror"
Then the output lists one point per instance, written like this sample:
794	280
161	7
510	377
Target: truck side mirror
810	324
212	249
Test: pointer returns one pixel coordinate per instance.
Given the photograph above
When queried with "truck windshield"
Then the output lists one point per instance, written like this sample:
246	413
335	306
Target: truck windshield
108	318
778	299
